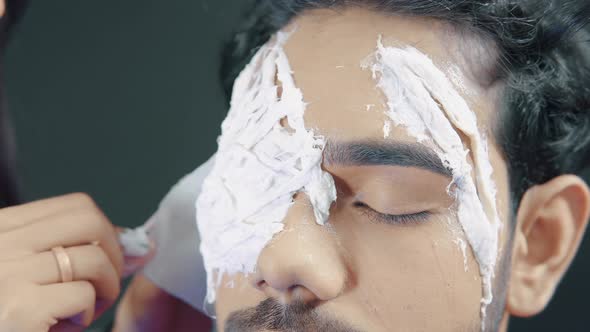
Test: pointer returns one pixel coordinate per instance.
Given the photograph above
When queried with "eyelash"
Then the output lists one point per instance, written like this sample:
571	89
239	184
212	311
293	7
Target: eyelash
392	219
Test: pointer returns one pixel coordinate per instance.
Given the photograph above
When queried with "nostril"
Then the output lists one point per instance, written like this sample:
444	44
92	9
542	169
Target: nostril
261	285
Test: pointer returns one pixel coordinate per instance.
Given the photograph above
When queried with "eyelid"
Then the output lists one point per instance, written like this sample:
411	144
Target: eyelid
393	219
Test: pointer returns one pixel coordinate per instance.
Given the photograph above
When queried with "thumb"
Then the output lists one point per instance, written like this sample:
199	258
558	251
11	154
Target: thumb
138	249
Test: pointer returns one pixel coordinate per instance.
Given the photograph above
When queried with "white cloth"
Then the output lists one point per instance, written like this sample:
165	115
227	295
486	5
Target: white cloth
178	266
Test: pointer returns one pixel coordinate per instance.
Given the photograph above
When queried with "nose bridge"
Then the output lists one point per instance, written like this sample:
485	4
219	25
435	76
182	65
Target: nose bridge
304	256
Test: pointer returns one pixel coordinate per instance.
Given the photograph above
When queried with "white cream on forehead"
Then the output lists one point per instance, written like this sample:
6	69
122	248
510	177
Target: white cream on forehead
258	168
423	100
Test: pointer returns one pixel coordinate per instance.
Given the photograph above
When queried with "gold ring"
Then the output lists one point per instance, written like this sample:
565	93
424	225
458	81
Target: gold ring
63	263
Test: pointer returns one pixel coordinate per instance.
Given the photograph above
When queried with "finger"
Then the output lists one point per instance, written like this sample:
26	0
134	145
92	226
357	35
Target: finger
20	215
65	300
68	229
88	262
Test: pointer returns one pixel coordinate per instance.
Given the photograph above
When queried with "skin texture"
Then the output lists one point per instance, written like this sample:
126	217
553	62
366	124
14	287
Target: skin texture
374	276
30	279
551	219
381	277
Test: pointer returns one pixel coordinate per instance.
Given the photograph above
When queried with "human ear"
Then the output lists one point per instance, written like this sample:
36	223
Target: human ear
550	225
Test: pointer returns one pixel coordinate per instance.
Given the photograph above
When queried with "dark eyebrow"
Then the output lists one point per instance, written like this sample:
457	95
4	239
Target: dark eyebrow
384	153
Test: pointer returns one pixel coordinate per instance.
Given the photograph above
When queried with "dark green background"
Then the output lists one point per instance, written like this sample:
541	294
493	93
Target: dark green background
121	98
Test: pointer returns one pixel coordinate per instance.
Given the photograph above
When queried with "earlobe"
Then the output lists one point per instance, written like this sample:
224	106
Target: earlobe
551	221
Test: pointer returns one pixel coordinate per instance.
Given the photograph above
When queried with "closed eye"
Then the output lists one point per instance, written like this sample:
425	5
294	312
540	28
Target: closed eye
392	219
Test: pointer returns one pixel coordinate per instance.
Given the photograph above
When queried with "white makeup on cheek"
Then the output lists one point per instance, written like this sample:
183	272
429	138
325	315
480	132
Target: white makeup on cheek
258	168
423	100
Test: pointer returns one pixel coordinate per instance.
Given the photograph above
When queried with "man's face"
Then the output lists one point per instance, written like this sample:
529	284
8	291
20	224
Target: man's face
390	258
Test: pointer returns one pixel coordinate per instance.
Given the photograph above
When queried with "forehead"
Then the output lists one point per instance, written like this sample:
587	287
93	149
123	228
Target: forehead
327	48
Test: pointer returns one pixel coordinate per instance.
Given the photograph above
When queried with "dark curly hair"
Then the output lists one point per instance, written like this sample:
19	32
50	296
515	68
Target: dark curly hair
543	64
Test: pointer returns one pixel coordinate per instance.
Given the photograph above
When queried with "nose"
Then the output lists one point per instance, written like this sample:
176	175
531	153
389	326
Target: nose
303	262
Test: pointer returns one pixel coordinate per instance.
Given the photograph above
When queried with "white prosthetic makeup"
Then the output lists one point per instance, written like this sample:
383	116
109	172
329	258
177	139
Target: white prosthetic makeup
261	163
424	101
266	155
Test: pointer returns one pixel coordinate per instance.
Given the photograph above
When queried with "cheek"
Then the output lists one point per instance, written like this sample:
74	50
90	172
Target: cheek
501	179
402	273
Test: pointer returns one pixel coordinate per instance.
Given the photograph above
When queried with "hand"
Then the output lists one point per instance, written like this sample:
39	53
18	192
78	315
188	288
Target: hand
147	308
33	297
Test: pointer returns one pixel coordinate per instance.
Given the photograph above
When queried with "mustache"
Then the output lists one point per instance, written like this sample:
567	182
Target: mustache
272	315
